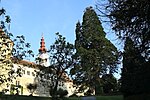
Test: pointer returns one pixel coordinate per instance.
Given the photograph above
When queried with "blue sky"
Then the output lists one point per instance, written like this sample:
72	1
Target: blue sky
34	17
31	18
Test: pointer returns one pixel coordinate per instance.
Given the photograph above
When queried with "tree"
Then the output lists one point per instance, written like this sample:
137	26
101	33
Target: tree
130	18
134	68
61	61
95	55
109	83
130	21
10	47
62	93
31	88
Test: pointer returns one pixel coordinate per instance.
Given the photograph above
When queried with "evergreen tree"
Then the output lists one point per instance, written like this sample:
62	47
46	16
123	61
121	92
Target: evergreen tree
130	18
95	55
135	75
130	21
109	83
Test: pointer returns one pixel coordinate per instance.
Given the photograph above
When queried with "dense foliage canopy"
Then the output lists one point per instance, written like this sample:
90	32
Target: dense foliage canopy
95	55
130	19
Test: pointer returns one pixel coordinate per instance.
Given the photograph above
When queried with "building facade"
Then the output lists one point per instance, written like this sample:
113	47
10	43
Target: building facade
27	73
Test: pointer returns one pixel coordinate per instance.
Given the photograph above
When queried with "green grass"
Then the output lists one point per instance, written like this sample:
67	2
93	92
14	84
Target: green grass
116	97
21	97
15	97
120	97
73	98
138	97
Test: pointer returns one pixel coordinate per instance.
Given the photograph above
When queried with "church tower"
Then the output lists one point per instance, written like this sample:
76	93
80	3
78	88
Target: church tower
43	55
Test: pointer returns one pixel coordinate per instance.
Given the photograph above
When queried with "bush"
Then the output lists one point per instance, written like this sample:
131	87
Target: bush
31	88
62	93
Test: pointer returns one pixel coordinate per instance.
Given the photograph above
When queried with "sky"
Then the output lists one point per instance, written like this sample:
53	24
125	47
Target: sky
32	18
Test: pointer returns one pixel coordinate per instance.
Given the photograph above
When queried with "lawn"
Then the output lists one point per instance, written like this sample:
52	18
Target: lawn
118	97
14	97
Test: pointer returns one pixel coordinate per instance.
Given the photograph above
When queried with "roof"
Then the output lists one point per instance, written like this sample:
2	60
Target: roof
34	65
25	63
66	78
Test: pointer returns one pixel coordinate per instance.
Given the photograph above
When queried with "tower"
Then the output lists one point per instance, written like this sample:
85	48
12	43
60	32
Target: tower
43	55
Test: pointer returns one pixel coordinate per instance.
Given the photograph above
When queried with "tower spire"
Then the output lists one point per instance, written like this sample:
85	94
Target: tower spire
42	45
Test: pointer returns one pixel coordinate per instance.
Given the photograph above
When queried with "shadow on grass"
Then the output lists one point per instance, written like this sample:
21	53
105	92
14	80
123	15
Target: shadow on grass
138	97
21	97
116	97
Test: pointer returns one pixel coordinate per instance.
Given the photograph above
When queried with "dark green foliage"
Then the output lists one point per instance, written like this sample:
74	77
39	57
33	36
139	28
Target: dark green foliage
16	89
31	88
95	55
130	20
109	83
135	73
62	93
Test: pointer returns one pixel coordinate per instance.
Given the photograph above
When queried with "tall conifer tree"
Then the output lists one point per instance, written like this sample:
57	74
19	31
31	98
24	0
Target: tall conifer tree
130	20
135	73
96	54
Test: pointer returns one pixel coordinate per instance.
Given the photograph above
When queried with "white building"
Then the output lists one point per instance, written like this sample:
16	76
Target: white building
28	74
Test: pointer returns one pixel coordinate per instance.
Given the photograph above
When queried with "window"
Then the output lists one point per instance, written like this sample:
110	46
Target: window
17	83
28	72
23	71
33	74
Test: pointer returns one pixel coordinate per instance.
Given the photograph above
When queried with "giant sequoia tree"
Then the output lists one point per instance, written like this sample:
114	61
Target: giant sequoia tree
95	55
